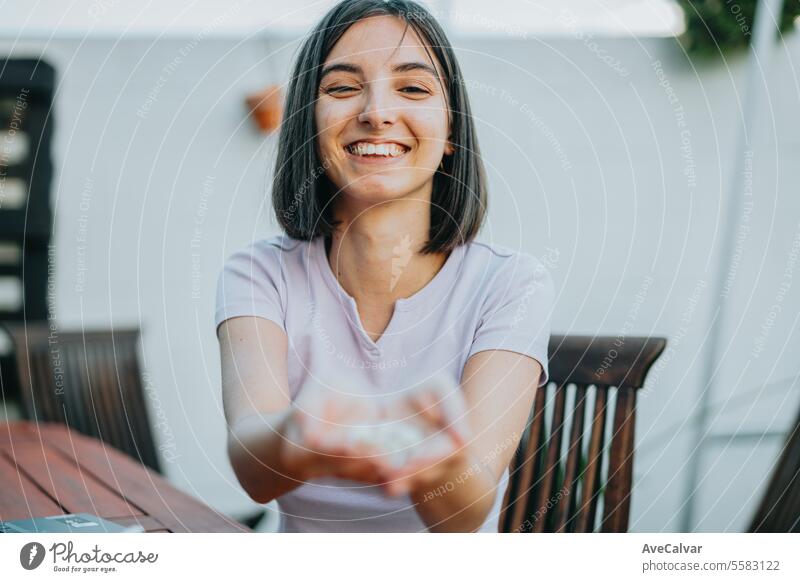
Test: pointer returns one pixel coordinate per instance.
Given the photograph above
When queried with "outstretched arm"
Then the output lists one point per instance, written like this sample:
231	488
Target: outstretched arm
499	388
255	397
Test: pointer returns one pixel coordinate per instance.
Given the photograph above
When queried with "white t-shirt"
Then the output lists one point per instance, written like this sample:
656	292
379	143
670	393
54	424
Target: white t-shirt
485	297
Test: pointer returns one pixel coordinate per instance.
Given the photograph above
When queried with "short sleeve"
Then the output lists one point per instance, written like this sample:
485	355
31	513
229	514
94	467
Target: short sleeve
251	283
517	312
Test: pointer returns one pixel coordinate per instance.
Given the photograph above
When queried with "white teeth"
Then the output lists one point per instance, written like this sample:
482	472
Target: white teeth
381	149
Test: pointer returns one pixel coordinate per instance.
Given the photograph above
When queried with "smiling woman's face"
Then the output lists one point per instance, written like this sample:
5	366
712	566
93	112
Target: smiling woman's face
376	90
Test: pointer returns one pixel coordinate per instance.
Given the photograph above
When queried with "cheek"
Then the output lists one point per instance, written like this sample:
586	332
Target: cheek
324	130
328	122
431	128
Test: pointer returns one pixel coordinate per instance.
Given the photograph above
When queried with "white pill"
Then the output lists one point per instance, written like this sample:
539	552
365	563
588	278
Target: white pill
402	441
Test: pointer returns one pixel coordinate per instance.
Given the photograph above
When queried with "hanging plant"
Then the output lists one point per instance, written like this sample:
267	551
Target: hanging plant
715	27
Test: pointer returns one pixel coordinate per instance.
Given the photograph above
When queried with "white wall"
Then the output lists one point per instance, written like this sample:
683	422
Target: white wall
586	168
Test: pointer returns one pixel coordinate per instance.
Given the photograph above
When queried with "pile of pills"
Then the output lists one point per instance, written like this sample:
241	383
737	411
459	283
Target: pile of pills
389	425
398	440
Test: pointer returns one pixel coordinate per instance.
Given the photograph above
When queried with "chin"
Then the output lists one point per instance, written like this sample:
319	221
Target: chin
368	190
376	196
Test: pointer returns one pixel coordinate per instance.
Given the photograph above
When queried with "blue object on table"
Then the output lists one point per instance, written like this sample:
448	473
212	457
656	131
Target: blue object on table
69	523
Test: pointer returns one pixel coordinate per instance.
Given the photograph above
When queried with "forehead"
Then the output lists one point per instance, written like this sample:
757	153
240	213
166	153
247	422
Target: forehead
375	43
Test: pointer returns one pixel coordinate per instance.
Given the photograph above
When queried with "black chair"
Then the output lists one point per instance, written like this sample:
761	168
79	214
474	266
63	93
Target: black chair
779	510
27	87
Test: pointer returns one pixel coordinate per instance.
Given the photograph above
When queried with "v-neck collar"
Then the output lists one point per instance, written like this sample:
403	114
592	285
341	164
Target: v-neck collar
441	280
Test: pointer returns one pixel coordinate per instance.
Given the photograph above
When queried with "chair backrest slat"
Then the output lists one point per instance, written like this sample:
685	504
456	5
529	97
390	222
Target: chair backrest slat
553	490
591	483
108	403
521	474
75	403
134	408
620	469
543	500
51	405
564	511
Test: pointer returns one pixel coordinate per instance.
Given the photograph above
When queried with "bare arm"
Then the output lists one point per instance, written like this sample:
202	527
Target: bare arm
275	444
499	387
256	401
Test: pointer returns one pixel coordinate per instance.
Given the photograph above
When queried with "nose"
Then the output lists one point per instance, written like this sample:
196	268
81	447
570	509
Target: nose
378	109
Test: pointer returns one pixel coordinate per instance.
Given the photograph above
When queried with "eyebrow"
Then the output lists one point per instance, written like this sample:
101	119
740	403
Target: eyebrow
398	68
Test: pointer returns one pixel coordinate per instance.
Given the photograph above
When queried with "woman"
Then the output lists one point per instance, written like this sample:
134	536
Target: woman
378	287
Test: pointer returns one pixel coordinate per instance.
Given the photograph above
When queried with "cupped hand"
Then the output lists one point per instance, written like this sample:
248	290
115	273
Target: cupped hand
319	436
435	412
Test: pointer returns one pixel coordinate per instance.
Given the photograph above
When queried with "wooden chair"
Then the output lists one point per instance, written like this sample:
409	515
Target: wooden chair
574	456
88	380
779	510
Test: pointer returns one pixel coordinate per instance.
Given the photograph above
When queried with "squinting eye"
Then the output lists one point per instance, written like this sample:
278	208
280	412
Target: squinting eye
415	89
340	89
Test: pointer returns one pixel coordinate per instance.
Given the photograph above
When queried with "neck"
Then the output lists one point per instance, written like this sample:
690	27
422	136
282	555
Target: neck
375	252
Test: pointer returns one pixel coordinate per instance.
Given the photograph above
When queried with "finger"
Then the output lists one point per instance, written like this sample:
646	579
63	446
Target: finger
412	469
330	411
357	471
449	396
398	487
380	459
361	452
445	409
362	469
398	477
439	450
312	436
326	439
425	405
412	476
437	415
456	434
456	419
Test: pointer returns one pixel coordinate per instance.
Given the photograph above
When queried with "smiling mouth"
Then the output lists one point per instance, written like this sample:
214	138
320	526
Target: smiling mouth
377	151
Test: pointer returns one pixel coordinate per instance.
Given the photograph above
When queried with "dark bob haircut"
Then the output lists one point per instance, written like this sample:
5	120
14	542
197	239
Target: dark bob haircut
302	193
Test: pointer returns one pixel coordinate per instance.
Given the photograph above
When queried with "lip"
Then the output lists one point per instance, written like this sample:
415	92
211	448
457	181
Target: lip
376	160
378	141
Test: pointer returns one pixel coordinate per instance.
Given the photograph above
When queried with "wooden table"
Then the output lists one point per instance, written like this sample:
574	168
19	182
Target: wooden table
49	469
